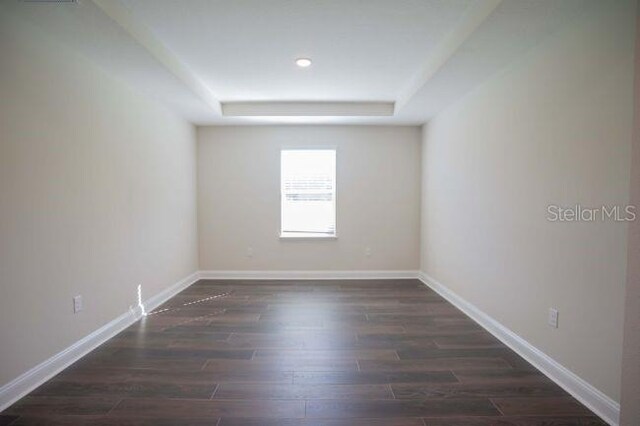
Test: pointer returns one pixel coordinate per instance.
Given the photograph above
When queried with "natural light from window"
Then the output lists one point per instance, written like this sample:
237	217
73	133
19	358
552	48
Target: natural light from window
308	193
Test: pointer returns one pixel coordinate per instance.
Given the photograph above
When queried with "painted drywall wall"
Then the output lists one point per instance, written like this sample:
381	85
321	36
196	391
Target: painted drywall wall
630	394
98	197
378	181
552	128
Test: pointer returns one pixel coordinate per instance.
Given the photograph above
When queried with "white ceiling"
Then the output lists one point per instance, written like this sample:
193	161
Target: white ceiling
195	54
245	49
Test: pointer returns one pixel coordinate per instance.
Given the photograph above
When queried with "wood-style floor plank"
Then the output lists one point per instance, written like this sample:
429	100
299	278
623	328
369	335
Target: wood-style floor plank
346	354
556	406
514	421
257	391
399	408
466	390
301	353
63	405
377	377
434	364
323	422
176	409
111	420
283	364
126	388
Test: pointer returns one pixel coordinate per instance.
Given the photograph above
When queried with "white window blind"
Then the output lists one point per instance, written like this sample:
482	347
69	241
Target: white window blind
308	192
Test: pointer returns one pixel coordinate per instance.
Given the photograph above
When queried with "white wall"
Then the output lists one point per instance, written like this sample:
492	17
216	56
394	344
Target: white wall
378	181
97	192
553	128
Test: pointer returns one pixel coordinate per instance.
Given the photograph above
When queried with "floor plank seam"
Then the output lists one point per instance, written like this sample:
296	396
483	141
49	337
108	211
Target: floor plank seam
496	406
453	373
110	410
215	390
391	389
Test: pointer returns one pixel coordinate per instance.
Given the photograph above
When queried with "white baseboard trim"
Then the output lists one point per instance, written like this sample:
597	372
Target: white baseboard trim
28	381
306	275
596	401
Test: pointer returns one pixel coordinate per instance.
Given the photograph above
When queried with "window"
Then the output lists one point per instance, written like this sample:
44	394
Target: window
308	193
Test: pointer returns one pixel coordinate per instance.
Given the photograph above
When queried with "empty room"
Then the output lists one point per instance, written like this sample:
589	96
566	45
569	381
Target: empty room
319	212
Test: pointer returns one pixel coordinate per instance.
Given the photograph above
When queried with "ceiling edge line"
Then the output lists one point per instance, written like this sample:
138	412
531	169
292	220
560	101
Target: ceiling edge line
471	19
307	109
122	16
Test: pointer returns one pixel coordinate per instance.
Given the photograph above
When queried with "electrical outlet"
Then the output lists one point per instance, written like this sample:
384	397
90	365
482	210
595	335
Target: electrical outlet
553	317
77	304
249	251
367	251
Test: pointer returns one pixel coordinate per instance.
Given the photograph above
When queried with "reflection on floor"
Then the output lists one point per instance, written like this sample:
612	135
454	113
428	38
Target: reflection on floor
331	353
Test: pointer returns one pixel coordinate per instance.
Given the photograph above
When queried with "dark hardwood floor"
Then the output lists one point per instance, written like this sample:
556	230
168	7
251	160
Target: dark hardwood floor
330	353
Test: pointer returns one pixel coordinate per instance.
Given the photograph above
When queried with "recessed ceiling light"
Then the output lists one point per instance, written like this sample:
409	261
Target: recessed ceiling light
303	62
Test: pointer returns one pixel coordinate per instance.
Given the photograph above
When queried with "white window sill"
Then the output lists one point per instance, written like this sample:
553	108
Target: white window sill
304	236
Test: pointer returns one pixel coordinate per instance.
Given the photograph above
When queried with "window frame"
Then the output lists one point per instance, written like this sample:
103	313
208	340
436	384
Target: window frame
307	236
